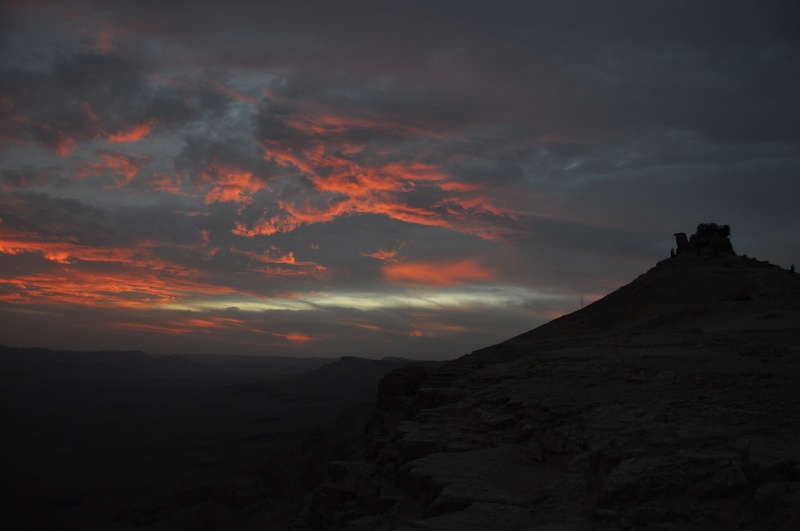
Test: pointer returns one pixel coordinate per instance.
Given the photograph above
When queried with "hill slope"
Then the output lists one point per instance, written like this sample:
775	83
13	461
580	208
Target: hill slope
669	404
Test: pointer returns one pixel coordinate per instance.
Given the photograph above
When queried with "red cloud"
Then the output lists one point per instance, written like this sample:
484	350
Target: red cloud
134	134
111	287
362	323
69	250
99	276
346	181
123	164
436	273
294	337
388	256
164	183
426	325
64	145
287	264
196	325
227	184
89	289
168	328
349	188
433	329
211	327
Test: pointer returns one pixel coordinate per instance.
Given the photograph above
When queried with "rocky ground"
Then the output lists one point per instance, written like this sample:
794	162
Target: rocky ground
672	404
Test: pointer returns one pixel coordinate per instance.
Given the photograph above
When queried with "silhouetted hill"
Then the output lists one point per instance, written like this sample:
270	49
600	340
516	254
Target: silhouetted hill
669	404
702	292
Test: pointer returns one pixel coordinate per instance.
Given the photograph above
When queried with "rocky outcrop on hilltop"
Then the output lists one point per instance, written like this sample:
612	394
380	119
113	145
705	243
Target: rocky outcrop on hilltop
671	405
709	238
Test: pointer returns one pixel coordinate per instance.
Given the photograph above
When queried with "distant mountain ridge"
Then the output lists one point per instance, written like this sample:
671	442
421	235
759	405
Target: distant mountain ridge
33	362
89	435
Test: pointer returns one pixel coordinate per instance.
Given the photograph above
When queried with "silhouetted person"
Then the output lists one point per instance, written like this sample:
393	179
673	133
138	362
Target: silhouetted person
792	268
672	253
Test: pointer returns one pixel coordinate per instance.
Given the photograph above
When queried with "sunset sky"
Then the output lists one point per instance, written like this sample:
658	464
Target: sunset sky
372	178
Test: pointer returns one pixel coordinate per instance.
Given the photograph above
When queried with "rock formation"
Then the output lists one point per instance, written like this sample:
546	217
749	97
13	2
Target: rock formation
709	238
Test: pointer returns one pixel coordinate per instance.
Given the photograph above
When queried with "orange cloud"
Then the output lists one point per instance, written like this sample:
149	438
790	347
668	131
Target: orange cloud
134	134
415	171
389	256
426	325
293	267
122	164
187	326
362	323
164	183
347	182
436	273
87	289
294	337
454	186
218	323
159	329
134	288
227	184
69	250
288	272
433	329
64	146
100	276
356	194
211	327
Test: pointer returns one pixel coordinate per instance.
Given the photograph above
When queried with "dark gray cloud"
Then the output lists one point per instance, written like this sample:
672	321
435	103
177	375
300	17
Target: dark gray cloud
359	176
28	176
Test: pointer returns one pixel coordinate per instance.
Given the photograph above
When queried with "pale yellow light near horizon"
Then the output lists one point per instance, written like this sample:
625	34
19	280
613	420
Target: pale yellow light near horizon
485	296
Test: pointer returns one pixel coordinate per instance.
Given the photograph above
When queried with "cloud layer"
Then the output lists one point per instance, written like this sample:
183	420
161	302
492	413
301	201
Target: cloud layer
329	178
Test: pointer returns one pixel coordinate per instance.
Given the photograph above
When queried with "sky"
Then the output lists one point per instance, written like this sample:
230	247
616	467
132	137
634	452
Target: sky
375	178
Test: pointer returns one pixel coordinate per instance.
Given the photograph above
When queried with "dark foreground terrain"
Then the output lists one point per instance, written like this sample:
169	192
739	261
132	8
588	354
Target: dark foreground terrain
671	404
87	437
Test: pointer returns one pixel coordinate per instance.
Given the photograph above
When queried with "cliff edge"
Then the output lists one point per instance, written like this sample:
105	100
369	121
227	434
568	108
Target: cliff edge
670	404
